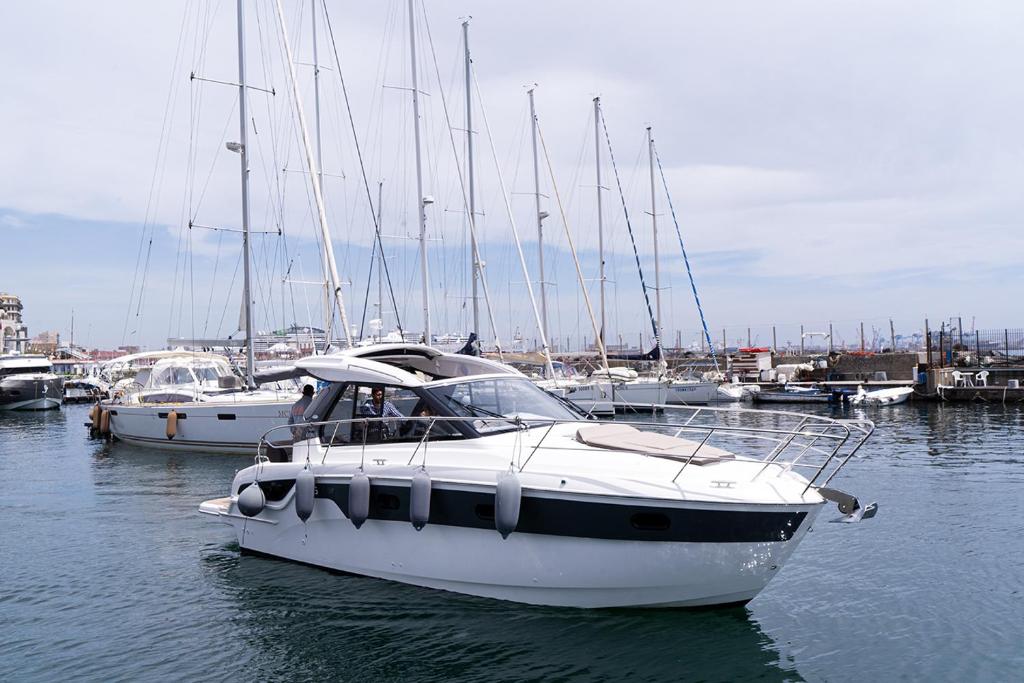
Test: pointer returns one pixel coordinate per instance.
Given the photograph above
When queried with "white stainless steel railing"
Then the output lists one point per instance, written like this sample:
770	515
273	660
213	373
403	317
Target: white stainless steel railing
819	447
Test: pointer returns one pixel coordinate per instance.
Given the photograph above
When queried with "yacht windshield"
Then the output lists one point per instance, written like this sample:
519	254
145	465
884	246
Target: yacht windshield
207	374
505	397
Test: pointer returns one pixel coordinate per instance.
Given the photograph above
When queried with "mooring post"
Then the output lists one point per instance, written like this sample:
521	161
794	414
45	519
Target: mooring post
942	345
928	342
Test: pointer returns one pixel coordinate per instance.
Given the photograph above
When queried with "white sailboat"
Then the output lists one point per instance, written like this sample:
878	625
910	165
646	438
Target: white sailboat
231	417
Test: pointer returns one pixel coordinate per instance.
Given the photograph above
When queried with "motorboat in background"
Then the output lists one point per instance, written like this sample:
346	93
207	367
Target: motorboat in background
85	390
476	481
881	397
27	382
791	394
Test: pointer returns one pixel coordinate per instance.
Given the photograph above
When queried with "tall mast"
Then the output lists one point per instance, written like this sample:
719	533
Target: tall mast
250	360
472	180
380	264
540	221
320	175
600	217
320	169
314	179
654	227
421	204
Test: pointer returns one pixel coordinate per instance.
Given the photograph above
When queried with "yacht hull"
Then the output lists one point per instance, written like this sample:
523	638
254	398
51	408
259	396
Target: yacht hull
213	427
31	392
534	568
686	393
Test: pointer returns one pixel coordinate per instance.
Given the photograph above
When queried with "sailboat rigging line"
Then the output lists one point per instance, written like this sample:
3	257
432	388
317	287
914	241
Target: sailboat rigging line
227	295
632	238
545	348
465	193
213	284
686	260
159	171
362	166
366	297
572	248
314	180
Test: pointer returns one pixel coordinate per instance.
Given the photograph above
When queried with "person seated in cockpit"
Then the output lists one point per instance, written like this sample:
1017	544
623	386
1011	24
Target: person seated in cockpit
415	429
376	406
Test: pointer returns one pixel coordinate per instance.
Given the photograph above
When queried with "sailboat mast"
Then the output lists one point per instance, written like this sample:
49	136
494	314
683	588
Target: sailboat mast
654	227
320	169
421	204
380	264
600	215
314	178
540	220
472	179
250	360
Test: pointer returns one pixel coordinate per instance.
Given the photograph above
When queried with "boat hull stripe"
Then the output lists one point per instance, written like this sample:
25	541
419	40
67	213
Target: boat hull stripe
583	519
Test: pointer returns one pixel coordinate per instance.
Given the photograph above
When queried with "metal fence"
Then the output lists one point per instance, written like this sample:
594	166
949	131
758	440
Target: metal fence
977	347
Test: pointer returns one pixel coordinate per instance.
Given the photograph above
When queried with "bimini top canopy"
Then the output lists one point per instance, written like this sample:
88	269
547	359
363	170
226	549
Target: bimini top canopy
402	364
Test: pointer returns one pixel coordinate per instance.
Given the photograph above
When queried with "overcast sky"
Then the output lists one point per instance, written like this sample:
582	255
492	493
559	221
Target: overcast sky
840	161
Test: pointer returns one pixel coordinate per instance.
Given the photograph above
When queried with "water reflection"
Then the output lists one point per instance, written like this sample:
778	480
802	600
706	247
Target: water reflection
309	623
109	573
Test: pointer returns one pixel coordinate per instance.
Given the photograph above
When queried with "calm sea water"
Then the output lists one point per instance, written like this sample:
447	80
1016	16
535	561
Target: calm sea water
107	572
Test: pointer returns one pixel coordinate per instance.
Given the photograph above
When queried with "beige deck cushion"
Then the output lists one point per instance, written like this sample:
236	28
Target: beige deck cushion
626	438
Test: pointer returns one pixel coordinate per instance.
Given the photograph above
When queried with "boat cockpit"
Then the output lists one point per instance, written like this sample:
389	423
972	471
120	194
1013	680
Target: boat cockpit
400	387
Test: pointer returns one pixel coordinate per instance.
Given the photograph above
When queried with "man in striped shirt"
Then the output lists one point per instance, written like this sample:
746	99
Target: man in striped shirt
376	406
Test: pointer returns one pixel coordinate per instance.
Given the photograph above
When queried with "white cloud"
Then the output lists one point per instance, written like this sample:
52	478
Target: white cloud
843	141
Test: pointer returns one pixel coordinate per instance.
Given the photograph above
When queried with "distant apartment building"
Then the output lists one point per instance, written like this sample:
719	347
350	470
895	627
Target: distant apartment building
13	331
45	342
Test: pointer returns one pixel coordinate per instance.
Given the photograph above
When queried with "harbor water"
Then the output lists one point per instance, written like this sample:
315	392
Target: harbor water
108	572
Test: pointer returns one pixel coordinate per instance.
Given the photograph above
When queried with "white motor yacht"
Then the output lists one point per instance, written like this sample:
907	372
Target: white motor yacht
196	401
458	473
27	382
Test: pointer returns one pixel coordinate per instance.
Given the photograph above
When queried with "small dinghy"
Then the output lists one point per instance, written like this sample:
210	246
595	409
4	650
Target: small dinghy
881	397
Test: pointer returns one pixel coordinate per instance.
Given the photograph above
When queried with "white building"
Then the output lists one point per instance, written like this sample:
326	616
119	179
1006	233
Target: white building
13	332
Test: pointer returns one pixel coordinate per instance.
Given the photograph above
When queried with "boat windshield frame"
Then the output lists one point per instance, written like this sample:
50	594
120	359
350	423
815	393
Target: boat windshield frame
446	395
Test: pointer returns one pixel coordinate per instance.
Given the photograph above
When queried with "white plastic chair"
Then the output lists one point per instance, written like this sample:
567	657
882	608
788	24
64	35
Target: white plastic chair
958	379
981	379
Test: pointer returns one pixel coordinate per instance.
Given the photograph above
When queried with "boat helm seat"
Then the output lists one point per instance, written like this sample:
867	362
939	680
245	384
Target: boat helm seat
621	437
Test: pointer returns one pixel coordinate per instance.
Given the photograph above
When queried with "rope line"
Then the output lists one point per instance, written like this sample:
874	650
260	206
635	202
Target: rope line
362	167
632	238
686	260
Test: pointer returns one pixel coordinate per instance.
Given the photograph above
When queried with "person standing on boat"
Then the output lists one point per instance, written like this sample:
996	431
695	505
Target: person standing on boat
376	406
297	416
